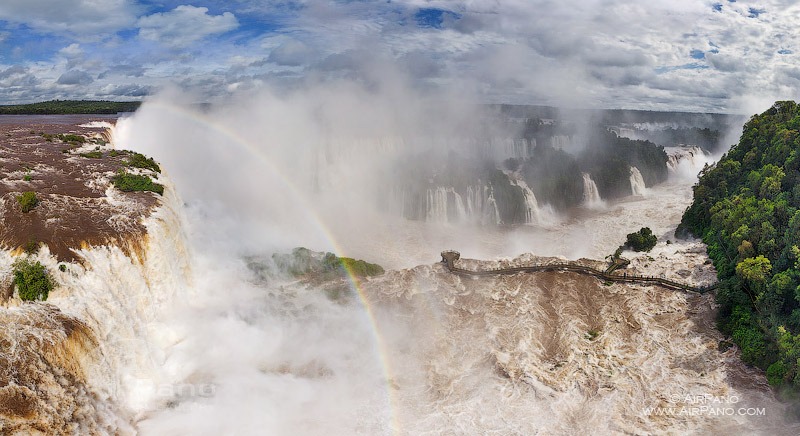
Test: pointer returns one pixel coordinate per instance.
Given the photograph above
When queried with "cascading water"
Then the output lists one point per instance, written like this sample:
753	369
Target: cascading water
687	161
474	200
532	215
560	141
591	195
108	363
491	214
637	182
436	205
461	210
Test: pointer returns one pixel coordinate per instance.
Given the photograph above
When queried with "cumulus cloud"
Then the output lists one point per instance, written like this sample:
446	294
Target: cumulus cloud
660	54
293	53
77	17
75	77
184	25
125	70
131	90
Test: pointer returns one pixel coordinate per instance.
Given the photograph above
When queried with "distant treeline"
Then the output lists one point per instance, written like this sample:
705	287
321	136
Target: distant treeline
68	107
707	139
625	117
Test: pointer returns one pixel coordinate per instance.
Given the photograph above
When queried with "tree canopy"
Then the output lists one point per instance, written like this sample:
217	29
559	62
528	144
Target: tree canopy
747	210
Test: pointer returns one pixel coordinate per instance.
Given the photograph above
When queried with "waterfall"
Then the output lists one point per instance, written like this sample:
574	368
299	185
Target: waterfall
445	205
96	344
686	160
461	211
436	205
470	201
560	141
492	213
531	205
591	196
637	182
476	200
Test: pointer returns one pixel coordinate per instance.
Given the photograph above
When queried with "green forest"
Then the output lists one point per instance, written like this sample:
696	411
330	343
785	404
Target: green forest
69	107
747	210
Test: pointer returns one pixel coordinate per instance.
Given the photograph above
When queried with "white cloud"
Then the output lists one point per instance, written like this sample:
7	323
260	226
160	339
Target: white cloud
184	25
293	53
75	77
592	53
76	17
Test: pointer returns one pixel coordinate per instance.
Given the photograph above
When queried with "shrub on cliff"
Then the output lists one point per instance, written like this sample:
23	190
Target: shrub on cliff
27	201
32	280
643	240
138	160
69	137
128	182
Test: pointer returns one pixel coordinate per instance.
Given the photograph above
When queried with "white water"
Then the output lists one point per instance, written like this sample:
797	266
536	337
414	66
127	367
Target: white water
591	195
446	205
436	205
491	214
532	215
637	183
686	162
461	210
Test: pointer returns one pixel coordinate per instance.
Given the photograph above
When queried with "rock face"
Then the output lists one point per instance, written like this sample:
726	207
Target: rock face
68	162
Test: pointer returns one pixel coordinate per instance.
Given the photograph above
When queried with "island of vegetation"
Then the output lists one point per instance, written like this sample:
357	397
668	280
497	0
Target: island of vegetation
747	210
70	107
643	240
302	262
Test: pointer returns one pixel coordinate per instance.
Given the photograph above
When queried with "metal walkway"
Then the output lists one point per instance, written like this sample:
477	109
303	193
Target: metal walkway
449	258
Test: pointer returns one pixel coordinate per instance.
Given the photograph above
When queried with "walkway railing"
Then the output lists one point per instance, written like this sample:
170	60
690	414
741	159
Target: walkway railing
581	269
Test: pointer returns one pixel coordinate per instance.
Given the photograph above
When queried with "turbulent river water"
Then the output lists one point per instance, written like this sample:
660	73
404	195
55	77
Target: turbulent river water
202	334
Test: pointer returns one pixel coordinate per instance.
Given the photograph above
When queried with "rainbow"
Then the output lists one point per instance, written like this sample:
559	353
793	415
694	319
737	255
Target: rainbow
354	282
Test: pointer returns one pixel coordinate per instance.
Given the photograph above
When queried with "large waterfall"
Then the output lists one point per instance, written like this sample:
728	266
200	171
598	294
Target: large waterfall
476	205
491	213
687	161
532	215
109	362
637	182
591	195
444	205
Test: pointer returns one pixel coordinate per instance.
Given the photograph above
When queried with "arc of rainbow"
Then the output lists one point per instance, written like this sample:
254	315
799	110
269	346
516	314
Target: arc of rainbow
352	279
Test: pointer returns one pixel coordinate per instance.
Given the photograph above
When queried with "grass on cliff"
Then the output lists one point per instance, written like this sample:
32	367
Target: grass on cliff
128	182
32	280
93	154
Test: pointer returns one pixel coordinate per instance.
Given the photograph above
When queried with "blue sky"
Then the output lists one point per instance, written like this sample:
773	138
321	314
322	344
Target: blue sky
676	54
